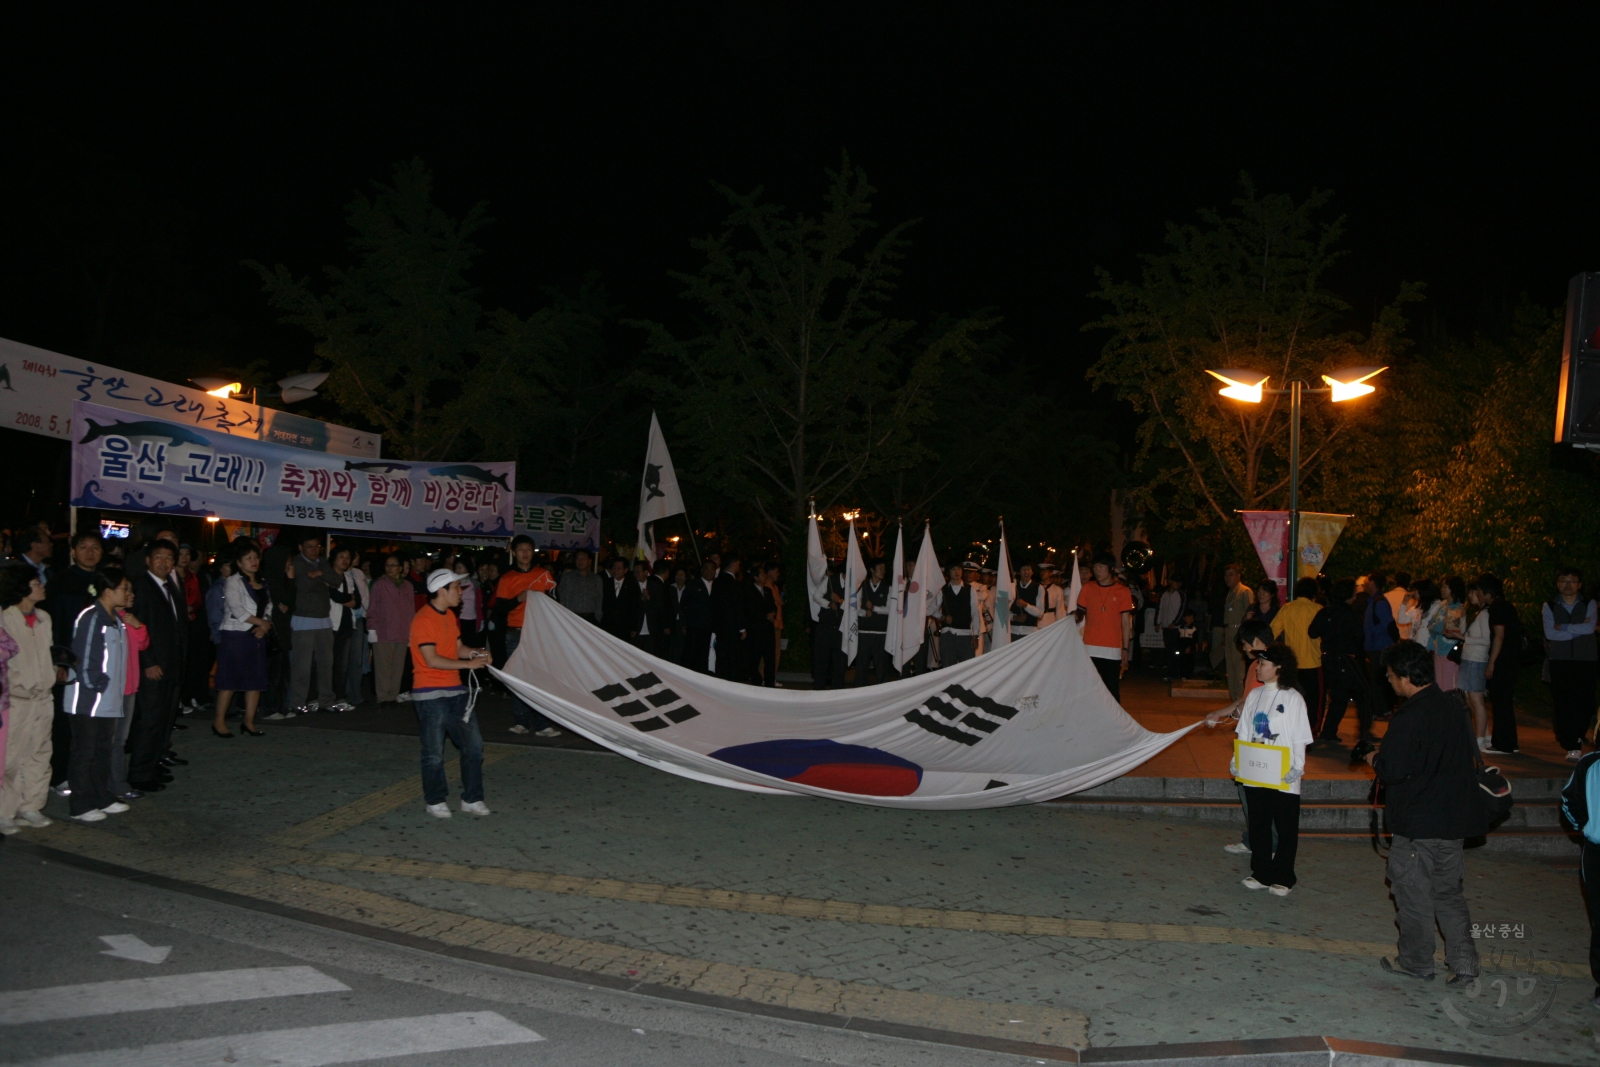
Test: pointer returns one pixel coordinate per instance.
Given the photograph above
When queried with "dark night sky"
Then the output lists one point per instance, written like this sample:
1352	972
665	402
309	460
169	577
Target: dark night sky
1033	149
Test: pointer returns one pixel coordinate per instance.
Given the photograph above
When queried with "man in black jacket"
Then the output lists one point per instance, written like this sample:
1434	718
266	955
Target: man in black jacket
619	600
1338	627
649	610
729	621
1428	767
695	607
158	603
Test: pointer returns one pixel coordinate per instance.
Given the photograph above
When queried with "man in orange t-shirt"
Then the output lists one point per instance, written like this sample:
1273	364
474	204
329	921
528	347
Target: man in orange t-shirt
517	584
440	699
1106	607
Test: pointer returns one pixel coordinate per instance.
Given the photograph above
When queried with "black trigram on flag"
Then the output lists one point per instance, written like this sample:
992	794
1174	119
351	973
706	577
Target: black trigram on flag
643	695
961	715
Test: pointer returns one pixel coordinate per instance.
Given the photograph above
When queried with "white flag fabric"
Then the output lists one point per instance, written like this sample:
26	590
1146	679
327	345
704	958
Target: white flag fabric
920	591
897	598
855	572
1077	585
1031	722
1005	595
659	495
816	570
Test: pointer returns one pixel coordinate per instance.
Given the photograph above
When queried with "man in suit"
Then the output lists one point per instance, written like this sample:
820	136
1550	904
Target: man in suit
759	610
730	610
649	623
158	602
696	611
872	657
619	600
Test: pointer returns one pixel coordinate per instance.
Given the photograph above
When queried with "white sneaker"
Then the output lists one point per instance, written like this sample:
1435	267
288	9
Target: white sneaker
1278	890
116	807
343	705
7	827
519	729
439	811
1483	744
1574	755
1238	848
404	698
307	709
91	816
477	807
1251	883
548	731
34	819
62	790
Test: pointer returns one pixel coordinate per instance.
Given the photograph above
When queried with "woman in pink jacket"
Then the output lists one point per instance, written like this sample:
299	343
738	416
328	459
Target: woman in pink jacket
389	618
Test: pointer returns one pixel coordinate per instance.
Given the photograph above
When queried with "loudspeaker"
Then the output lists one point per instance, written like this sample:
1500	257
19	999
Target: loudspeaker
1578	396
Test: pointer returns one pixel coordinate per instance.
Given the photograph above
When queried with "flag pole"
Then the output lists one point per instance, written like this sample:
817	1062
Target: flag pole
694	538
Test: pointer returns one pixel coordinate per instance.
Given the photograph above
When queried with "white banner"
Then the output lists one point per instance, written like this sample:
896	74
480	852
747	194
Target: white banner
39	387
1029	723
855	572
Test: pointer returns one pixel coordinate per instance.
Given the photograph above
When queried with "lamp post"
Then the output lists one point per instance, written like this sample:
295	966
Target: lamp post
290	390
1250	387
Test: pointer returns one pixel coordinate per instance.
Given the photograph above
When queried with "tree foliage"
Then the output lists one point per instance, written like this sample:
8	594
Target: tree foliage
800	383
1244	290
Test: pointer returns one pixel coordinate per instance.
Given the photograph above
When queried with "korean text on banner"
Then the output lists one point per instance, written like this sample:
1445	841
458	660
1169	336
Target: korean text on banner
1263	766
558	520
1319	532
150	465
1269	533
39	387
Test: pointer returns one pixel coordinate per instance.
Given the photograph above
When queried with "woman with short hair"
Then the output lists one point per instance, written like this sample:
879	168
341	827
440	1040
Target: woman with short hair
1275	715
242	641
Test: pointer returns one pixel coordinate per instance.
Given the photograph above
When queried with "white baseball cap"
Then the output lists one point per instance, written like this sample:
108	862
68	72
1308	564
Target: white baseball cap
441	578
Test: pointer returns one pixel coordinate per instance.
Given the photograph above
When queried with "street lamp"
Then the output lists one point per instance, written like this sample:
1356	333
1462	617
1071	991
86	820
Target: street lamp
1250	386
290	390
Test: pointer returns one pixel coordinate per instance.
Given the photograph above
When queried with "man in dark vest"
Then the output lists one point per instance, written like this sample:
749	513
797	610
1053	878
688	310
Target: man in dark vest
956	608
827	639
872	657
1569	625
1025	611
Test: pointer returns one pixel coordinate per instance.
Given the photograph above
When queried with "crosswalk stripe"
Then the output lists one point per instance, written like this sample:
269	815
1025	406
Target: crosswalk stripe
316	1046
167	991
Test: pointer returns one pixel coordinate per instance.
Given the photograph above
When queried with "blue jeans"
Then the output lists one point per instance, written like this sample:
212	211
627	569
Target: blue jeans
437	718
522	713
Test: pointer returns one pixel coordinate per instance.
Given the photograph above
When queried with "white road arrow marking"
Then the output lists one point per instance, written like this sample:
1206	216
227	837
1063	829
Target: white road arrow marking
128	947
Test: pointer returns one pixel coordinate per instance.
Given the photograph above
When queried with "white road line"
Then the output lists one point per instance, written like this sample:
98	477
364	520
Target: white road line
315	1046
168	991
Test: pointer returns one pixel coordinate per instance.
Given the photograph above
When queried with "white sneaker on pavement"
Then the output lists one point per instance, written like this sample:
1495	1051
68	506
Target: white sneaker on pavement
1238	848
34	819
343	705
439	811
116	807
62	789
404	698
7	827
477	807
518	728
1251	883
1278	890
95	815
548	731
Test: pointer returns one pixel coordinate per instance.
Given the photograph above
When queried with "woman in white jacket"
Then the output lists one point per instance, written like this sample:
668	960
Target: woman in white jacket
1275	714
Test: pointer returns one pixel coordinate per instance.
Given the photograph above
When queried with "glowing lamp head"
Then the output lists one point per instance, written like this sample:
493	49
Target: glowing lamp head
219	387
1351	382
1241	384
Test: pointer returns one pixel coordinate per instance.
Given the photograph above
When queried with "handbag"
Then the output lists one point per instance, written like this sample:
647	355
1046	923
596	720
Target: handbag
1454	655
1494	788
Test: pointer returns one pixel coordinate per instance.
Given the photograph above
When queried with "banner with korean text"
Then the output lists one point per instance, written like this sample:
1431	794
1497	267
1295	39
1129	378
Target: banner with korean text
127	463
558	520
1269	533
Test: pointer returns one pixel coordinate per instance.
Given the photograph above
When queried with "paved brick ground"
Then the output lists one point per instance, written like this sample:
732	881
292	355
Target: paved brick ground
1109	929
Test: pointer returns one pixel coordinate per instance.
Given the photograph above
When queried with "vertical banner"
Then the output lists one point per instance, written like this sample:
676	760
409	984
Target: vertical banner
128	463
1319	532
1269	533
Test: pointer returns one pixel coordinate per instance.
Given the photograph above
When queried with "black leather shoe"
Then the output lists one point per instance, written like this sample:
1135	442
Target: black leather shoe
162	775
174	761
180	726
132	794
148	787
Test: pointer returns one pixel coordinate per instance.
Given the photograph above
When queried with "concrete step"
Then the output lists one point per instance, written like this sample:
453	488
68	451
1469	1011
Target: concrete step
1331	815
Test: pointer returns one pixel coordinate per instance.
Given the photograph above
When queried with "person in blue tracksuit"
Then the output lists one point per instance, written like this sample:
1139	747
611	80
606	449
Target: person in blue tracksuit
1580	803
94	698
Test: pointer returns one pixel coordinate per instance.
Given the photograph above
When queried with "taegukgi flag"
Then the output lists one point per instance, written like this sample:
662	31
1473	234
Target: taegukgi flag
659	495
854	574
897	595
925	582
1005	595
816	569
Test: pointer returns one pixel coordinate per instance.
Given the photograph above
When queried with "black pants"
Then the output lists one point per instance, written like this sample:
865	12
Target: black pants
696	649
731	657
1269	810
1572	699
342	651
1589	872
60	739
1345	682
872	659
90	770
759	655
1309	684
154	712
827	657
1502	697
1379	691
644	642
197	669
1111	674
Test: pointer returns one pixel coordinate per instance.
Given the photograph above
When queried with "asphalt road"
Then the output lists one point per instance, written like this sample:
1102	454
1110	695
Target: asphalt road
241	987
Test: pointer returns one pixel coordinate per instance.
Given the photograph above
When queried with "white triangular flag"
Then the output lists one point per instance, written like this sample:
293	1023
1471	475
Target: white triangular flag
816	570
658	491
897	596
925	582
854	574
1005	595
1077	584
